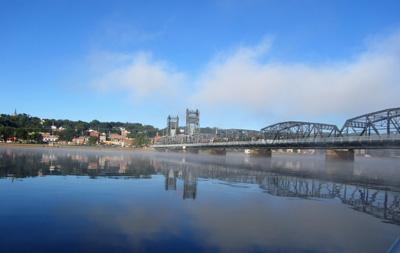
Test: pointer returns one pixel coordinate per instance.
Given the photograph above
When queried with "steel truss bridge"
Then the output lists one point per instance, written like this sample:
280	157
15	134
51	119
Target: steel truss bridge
377	130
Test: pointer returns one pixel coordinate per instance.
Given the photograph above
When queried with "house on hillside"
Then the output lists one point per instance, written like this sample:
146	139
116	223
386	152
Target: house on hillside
103	137
116	139
82	140
47	137
95	134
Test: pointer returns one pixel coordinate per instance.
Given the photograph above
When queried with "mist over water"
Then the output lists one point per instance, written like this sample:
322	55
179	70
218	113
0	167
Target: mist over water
83	200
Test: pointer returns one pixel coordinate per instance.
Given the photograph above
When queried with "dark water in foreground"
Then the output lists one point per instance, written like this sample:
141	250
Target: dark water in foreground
101	201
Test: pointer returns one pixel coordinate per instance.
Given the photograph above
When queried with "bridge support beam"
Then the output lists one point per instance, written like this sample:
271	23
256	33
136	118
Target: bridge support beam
260	152
191	151
217	152
339	155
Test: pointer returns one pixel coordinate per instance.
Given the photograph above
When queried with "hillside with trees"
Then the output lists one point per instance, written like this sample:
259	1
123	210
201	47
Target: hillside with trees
28	128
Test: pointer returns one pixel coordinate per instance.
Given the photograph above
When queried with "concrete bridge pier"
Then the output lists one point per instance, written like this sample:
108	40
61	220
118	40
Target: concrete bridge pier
173	150
260	152
339	155
217	152
191	151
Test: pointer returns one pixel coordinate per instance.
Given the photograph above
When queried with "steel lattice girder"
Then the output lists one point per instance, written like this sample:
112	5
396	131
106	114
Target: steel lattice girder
172	123
236	133
298	130
192	117
192	122
380	122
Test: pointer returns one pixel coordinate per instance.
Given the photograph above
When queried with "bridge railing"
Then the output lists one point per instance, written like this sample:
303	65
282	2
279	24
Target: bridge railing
376	140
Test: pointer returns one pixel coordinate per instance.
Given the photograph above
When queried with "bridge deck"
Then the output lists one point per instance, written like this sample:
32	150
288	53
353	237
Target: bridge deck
350	142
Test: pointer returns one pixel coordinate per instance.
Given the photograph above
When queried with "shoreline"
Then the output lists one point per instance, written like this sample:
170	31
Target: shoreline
45	146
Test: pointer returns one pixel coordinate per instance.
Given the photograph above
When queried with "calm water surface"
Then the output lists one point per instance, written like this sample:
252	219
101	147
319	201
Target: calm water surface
100	201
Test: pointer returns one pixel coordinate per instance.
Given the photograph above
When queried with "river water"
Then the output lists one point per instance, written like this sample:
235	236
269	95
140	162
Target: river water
55	200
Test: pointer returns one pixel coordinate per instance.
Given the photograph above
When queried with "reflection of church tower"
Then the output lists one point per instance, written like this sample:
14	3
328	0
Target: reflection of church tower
189	186
170	181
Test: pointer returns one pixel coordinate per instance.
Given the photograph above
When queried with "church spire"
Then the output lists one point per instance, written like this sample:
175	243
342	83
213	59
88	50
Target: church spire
15	112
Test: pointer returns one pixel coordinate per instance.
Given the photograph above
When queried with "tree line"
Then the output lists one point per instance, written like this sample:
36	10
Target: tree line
21	125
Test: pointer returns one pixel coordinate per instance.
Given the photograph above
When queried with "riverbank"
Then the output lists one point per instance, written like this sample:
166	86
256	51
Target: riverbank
25	145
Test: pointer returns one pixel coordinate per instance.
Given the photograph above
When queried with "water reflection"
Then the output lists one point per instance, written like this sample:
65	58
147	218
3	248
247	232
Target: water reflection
190	186
378	202
172	171
32	163
279	192
170	180
369	190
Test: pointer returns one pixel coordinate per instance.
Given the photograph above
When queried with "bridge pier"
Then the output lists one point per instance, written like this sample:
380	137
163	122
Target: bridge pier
172	150
260	152
191	151
217	152
339	155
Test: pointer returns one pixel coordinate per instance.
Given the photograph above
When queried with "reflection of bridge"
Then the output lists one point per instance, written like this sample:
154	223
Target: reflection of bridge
377	130
360	185
172	171
380	203
359	192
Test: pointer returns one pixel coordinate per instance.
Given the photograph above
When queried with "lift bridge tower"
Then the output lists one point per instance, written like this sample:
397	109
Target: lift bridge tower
172	126
193	124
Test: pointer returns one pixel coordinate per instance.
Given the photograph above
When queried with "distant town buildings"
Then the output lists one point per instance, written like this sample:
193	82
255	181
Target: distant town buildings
47	137
103	137
114	139
81	140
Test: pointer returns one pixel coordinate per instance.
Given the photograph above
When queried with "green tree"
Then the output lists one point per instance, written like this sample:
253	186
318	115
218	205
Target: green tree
66	135
94	124
6	132
36	137
21	133
147	141
93	140
139	139
81	126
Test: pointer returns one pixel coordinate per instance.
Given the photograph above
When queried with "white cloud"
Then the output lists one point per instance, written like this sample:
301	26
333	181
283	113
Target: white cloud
369	82
245	84
137	75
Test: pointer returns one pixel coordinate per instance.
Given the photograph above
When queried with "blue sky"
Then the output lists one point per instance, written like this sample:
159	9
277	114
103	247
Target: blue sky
243	64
